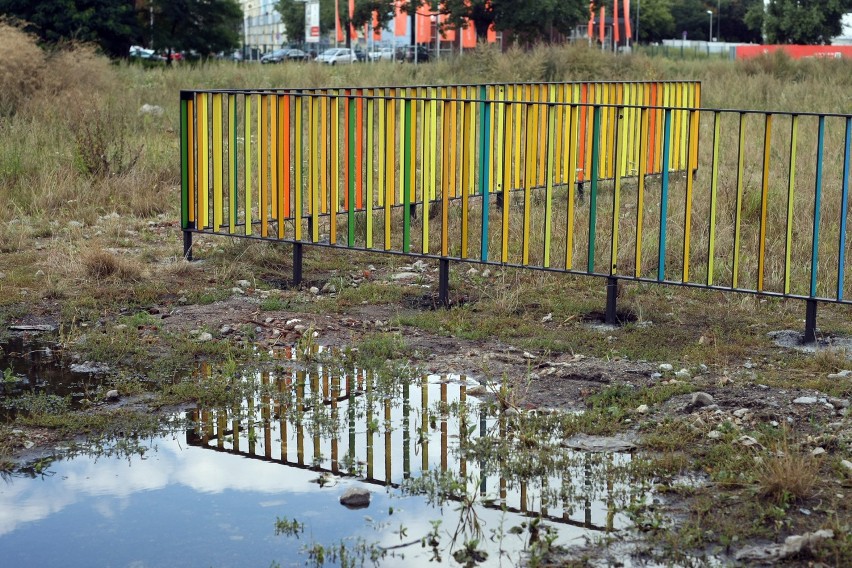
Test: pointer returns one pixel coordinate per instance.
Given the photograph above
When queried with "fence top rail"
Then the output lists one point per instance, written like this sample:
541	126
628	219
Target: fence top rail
444	86
188	95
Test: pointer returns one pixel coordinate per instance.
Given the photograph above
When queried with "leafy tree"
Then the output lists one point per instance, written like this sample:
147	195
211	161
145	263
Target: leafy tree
538	21
111	24
804	21
463	13
293	16
691	16
733	21
202	26
379	12
653	20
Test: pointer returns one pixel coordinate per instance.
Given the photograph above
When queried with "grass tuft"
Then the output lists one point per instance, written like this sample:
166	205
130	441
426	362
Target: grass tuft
789	475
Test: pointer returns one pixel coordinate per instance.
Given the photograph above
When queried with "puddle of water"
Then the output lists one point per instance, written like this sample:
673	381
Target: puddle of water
33	367
443	468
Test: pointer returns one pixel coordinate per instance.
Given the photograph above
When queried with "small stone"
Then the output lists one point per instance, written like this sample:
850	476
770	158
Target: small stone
75	225
112	395
472	271
703	368
202	337
355	498
683	374
486	273
314	290
714	434
547	318
656	376
666	367
847	464
642	409
153	110
725	381
225	330
817	451
701	399
805	400
741	412
28	444
405	276
243	283
846	373
237	291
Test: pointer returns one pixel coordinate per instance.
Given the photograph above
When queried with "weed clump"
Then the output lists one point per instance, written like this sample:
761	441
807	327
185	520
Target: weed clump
788	475
101	264
22	70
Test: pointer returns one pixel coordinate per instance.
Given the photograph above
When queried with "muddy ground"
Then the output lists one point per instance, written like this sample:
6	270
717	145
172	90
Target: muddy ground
734	394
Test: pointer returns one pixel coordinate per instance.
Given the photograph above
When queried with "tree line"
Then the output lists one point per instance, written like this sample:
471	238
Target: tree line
211	26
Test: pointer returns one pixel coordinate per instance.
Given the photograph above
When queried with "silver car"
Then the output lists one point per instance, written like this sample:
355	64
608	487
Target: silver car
335	55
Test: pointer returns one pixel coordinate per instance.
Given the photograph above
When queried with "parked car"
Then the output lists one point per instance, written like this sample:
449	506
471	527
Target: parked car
297	55
137	52
276	56
381	54
337	55
408	54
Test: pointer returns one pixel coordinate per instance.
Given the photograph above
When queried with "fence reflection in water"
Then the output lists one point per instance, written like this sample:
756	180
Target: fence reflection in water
352	424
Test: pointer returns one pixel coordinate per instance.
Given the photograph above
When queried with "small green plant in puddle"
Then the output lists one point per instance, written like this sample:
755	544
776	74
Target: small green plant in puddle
289	527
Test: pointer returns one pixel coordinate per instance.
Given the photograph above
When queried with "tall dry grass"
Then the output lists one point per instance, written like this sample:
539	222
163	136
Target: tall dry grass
74	146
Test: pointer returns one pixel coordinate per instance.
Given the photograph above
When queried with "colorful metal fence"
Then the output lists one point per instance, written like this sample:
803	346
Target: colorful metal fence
622	180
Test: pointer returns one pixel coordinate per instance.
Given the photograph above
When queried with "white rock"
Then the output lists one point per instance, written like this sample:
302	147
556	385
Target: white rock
817	451
472	271
847	464
355	498
683	374
112	395
486	273
701	399
28	444
243	283
841	375
642	409
714	434
405	276
237	291
805	400
202	337
740	412
666	367
153	110
314	290
547	318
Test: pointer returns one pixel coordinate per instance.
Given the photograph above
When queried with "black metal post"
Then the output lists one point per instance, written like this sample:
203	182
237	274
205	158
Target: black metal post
297	264
499	200
810	321
412	211
580	194
187	241
611	298
444	282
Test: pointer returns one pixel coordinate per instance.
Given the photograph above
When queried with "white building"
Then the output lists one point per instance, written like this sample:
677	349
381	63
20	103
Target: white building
262	27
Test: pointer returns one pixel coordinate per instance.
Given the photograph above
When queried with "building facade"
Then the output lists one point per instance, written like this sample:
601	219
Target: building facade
263	30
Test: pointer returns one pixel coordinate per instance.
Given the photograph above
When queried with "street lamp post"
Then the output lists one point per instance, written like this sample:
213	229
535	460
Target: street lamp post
710	35
638	10
718	20
245	32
